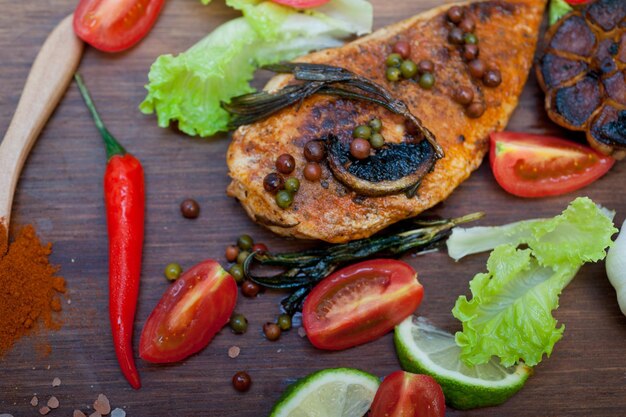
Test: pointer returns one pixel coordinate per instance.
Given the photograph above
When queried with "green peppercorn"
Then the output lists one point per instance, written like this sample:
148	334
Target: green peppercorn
376	125
292	185
236	271
470	39
394	60
408	69
173	271
284	322
427	81
245	242
238	323
362	131
284	199
243	255
393	74
377	141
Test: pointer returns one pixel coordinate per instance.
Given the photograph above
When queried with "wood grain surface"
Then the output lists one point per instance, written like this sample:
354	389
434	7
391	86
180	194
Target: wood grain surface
61	193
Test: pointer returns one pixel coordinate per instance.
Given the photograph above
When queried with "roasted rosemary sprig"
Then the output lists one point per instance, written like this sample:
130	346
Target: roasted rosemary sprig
305	269
321	79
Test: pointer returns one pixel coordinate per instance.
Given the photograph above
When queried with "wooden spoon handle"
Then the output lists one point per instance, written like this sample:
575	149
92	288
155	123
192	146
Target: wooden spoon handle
48	79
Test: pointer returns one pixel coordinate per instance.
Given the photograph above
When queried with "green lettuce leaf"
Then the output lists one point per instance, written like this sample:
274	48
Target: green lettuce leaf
510	311
558	9
188	88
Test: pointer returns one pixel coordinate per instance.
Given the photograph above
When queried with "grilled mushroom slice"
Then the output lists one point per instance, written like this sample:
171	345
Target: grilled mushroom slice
583	73
395	168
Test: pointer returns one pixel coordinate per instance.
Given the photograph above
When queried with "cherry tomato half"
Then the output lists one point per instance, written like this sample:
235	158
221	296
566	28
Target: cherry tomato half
528	165
190	313
360	303
403	394
115	25
301	4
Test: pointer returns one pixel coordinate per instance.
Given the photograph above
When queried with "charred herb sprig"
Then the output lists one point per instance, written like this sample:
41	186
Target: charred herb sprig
322	79
305	269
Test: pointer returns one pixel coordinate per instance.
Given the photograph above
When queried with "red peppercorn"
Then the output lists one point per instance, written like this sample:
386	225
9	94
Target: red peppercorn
314	151
285	164
475	110
477	68
470	52
271	331
232	252
455	36
455	14
464	95
273	182
403	48
190	208
259	247
312	171
250	289
242	381
360	148
492	78
425	65
467	25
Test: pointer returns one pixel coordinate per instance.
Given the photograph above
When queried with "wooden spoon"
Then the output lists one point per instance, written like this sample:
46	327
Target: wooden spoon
48	79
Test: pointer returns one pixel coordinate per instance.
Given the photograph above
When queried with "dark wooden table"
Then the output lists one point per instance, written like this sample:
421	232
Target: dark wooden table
61	193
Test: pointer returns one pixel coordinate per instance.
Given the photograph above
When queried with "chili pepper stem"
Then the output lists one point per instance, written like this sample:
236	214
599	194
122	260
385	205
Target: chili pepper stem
113	147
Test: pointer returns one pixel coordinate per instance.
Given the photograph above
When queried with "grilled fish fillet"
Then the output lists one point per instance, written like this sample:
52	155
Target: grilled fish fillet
326	209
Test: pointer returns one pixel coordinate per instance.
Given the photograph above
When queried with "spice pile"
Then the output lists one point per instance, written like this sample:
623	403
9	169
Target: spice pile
29	287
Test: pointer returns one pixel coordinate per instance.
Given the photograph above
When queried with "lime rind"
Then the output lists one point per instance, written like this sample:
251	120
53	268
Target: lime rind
335	392
423	348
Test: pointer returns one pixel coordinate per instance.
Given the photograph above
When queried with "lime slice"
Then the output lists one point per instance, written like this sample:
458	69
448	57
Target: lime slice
424	349
337	392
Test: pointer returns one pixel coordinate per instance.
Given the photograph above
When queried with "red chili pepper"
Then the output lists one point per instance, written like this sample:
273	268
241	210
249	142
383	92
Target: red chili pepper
125	200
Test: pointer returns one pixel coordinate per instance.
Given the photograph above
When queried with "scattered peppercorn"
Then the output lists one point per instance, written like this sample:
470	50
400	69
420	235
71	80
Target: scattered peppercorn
236	271
232	252
393	74
377	141
475	110
250	289
402	48
470	38
314	151
360	148
476	68
492	78
284	199
376	125
467	25
173	271
292	185
242	381
259	247
271	331
455	36
362	131
455	14
313	171
393	60
426	65
238	323
284	322
285	164
273	182
190	208
245	242
427	81
408	69
470	52
464	95
243	255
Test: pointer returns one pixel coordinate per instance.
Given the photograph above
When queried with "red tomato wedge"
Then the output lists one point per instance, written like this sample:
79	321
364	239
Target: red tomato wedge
403	394
190	313
301	4
360	303
115	25
529	165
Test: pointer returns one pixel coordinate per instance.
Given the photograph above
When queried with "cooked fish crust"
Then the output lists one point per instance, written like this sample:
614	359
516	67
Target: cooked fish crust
327	210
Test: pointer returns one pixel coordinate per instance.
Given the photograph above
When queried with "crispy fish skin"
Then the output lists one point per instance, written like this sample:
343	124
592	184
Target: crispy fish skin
326	210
